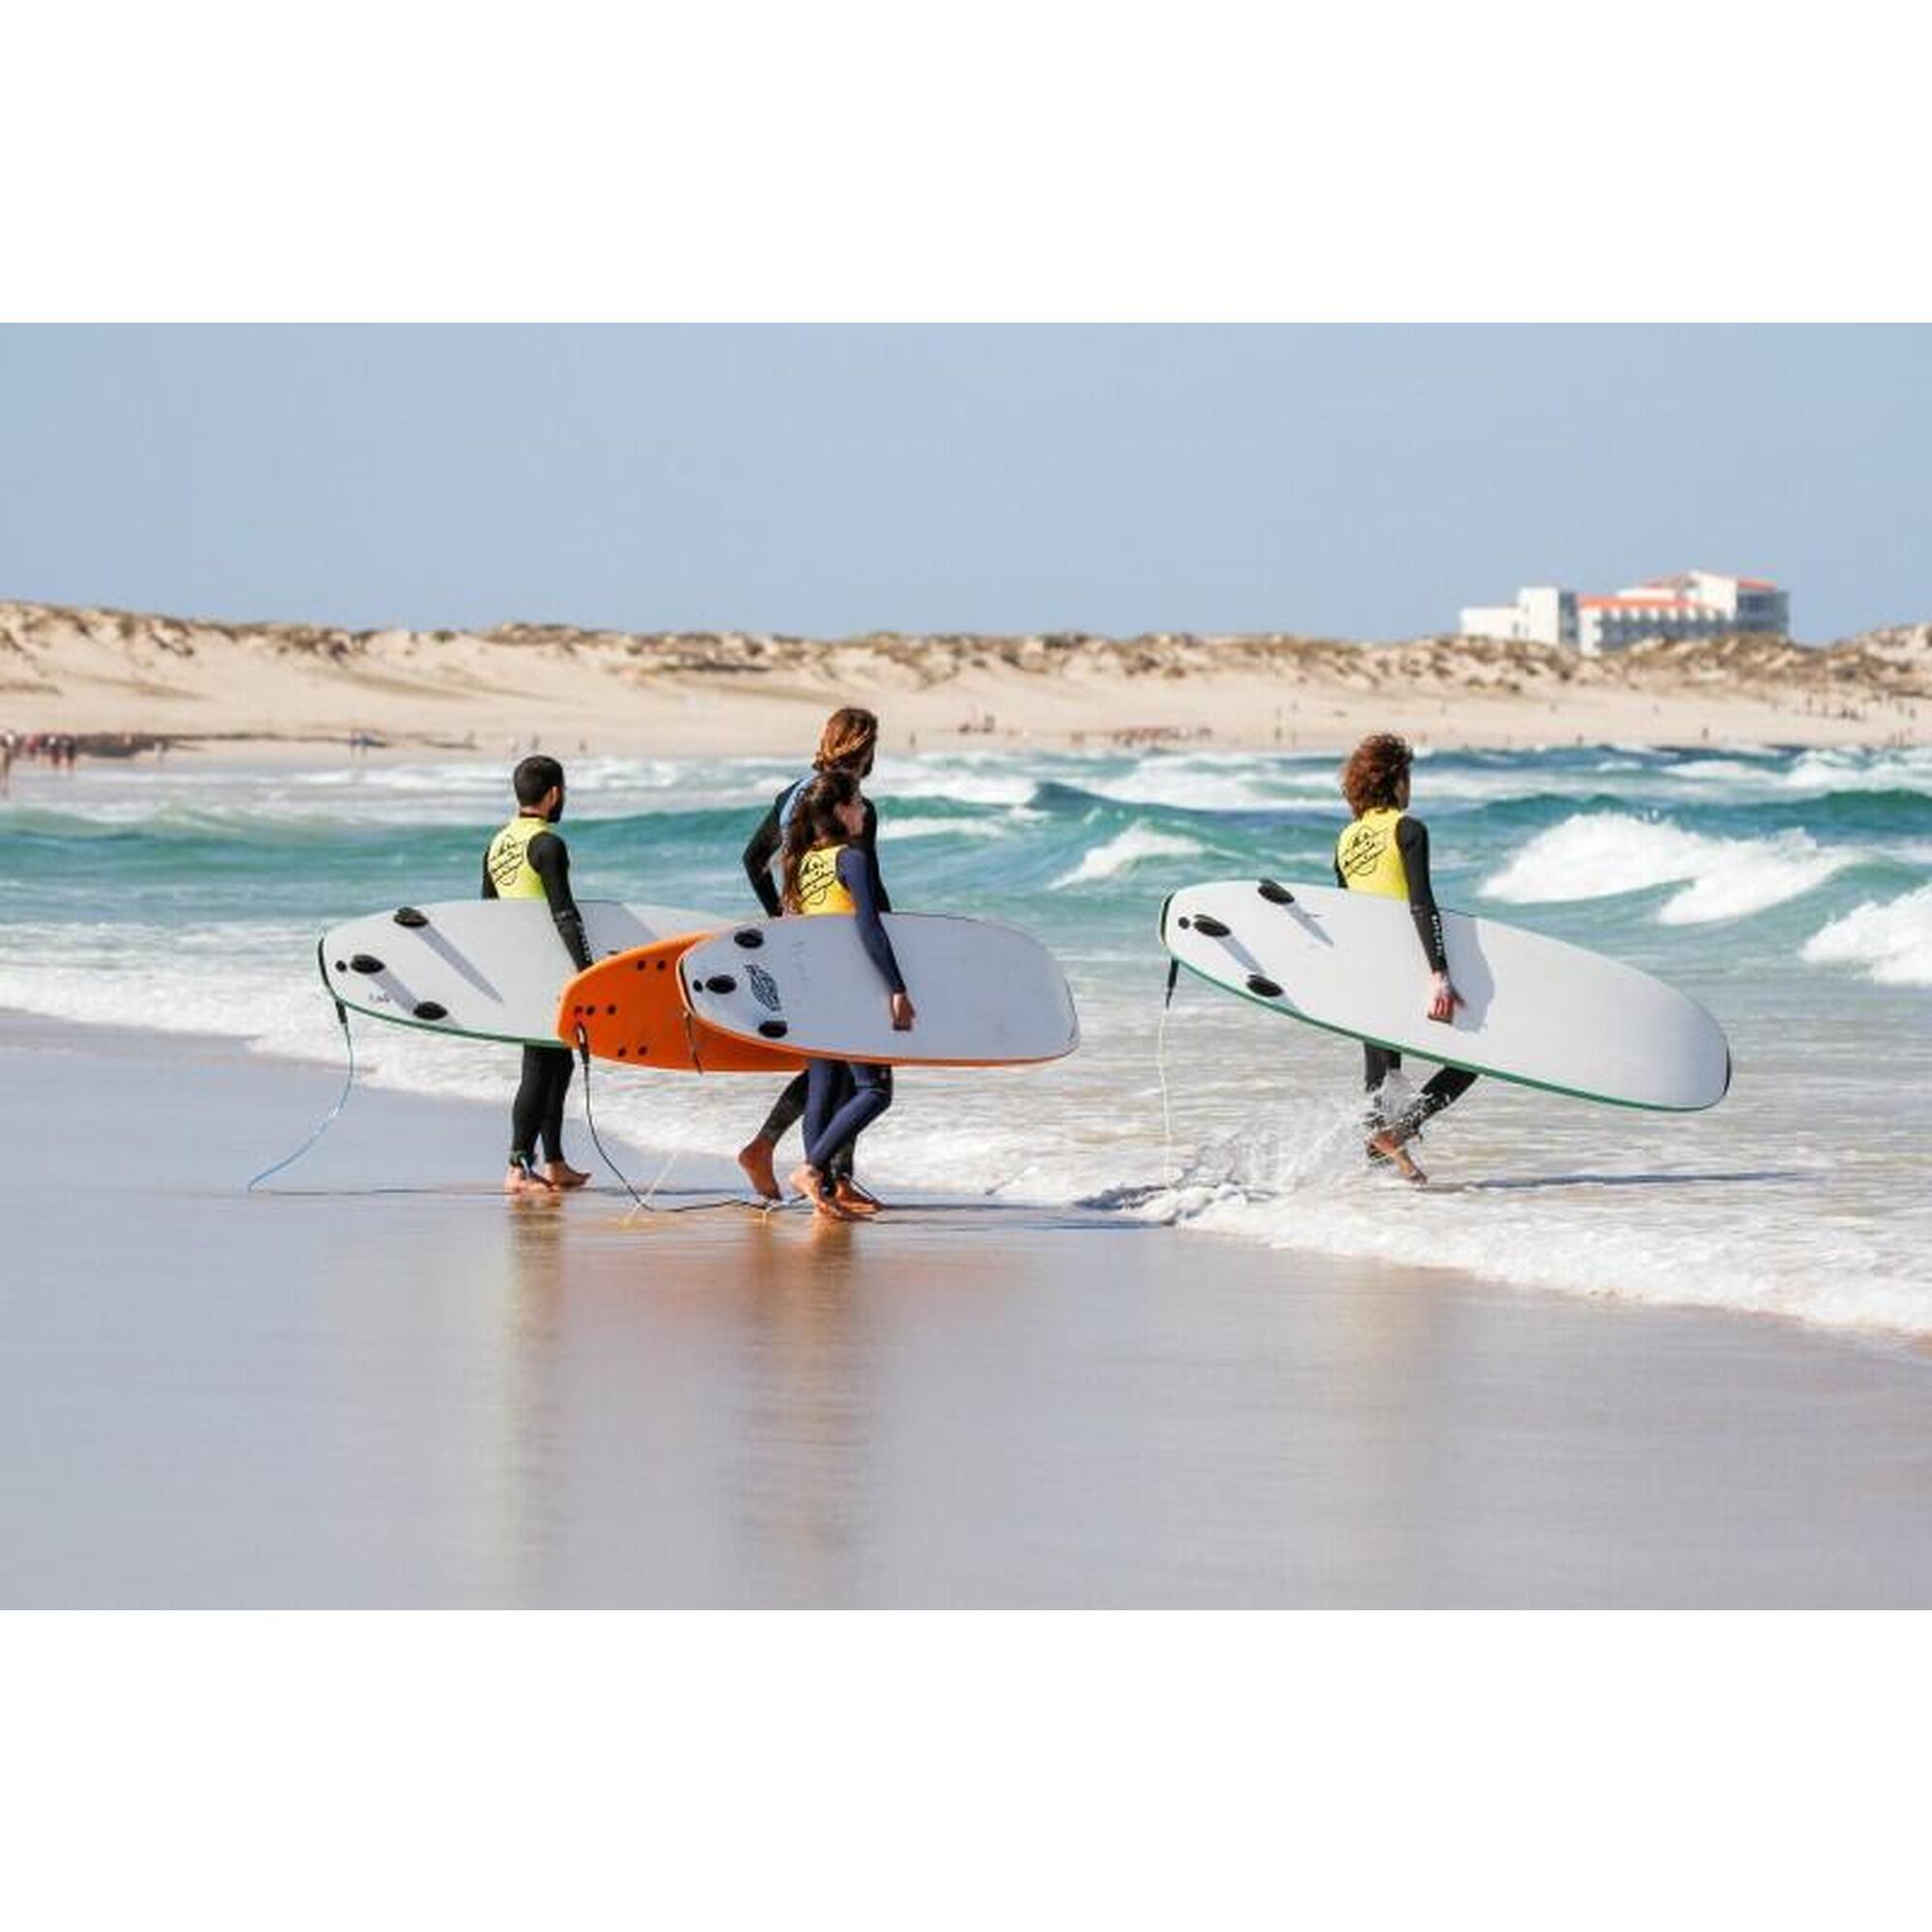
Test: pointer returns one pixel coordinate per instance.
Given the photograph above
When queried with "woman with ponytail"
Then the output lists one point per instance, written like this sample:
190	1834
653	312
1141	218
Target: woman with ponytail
847	744
826	873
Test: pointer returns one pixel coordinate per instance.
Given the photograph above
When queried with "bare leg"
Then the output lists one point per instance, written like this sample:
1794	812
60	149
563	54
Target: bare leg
754	1159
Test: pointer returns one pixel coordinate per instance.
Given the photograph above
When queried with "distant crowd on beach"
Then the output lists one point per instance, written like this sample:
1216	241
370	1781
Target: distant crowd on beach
59	750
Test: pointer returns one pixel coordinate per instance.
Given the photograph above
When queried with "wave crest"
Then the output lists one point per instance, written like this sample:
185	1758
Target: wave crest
1601	854
1891	940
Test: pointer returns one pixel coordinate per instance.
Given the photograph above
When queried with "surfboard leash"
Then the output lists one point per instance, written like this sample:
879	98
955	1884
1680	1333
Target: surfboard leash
1160	1068
644	1203
328	1119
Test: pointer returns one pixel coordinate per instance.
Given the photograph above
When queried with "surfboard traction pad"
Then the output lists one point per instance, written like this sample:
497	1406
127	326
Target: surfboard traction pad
631	1010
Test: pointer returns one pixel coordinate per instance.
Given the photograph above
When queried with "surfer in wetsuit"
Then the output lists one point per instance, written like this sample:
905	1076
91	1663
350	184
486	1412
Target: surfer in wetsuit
847	744
527	860
827	873
1386	851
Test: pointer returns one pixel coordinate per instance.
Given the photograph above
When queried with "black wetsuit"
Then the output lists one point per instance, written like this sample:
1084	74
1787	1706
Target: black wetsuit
1448	1083
765	844
536	1115
845	1098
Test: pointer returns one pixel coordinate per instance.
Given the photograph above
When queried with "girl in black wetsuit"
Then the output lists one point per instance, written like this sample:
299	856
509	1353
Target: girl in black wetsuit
827	873
1386	851
847	744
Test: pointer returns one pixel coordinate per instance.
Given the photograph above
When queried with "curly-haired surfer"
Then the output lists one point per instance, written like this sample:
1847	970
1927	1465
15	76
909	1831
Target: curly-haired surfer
1386	851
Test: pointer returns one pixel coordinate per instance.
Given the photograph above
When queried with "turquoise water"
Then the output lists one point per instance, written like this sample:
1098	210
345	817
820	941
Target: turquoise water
1789	891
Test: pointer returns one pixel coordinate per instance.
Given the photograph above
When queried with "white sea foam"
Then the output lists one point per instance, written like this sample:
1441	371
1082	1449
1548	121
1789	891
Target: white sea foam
1125	850
916	826
1892	941
1862	771
1600	854
1196	786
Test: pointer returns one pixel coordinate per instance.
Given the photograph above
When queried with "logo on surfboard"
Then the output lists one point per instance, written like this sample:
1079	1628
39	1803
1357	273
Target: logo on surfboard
764	990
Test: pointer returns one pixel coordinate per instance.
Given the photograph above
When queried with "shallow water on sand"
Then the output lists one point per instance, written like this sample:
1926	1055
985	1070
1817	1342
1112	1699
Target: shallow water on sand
388	1385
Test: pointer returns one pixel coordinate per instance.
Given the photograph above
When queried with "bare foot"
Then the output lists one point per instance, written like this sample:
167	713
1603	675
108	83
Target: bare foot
521	1179
756	1158
560	1174
854	1199
808	1181
1392	1149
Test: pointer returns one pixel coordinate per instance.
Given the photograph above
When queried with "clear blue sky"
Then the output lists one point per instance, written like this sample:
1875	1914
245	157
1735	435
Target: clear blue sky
1352	482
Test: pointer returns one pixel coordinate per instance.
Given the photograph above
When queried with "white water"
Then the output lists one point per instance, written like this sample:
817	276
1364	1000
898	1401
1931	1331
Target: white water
1802	1195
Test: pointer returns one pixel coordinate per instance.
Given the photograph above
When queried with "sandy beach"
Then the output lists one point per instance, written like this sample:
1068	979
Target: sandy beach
381	1384
119	678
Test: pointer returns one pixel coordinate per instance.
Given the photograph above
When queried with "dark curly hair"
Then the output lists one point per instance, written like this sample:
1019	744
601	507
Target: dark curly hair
814	824
1375	769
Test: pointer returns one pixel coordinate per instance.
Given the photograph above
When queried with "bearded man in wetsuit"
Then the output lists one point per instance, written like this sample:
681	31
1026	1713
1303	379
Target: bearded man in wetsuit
1386	851
527	860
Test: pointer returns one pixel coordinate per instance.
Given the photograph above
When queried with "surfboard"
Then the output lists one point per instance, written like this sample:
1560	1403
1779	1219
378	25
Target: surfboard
1537	1010
481	969
631	1010
986	994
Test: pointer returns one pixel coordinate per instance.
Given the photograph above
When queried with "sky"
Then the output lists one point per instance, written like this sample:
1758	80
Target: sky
1333	481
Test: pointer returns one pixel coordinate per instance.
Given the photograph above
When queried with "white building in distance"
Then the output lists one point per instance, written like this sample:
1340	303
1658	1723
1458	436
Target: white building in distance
1693	603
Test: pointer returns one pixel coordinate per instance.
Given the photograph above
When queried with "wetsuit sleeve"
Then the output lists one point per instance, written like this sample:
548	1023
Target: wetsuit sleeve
1411	838
1339	880
489	884
549	860
759	856
855	874
868	840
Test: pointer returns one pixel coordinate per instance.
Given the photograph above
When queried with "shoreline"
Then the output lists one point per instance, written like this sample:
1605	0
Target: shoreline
24	1030
381	1383
1682	729
276	690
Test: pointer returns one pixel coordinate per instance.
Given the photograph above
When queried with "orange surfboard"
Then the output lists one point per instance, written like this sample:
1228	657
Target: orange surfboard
630	1010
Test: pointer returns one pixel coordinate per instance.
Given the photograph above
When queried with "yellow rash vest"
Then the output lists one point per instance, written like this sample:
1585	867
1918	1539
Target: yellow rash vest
1367	855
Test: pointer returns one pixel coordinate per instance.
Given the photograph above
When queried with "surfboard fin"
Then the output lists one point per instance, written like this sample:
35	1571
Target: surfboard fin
1173	973
1275	895
364	963
409	916
1211	927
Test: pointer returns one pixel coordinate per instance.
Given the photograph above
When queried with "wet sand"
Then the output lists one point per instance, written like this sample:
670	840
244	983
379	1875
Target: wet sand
385	1386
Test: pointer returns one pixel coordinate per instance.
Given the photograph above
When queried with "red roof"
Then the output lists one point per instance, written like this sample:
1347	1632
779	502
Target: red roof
1641	603
1755	583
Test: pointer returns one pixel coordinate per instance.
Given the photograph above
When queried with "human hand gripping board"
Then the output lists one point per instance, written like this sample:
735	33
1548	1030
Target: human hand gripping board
986	995
482	969
1535	1010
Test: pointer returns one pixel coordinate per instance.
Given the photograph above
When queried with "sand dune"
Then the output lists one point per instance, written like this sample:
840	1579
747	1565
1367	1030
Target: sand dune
110	675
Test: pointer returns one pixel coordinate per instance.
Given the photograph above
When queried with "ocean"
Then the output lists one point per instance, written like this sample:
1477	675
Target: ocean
1790	890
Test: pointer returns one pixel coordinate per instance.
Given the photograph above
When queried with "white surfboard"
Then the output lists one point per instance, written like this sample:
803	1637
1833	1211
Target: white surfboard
986	995
1536	1011
485	969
